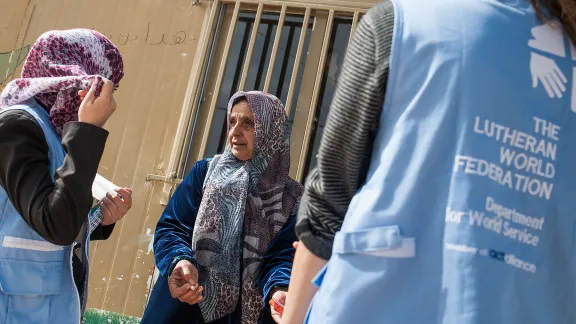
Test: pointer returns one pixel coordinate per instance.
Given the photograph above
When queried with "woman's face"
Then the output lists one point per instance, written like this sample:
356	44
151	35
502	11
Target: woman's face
241	134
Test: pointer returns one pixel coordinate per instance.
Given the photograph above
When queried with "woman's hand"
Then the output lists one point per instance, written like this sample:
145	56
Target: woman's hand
115	206
183	283
96	110
280	297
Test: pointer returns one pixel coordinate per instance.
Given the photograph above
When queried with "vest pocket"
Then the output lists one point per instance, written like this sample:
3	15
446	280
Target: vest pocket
359	271
27	289
384	241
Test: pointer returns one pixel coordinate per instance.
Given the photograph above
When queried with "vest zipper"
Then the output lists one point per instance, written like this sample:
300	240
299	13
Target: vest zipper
86	255
75	288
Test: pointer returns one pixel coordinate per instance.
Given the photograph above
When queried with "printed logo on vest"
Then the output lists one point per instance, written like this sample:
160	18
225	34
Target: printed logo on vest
549	45
523	159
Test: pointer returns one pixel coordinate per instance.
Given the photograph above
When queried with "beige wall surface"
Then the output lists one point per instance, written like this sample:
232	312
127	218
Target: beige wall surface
159	42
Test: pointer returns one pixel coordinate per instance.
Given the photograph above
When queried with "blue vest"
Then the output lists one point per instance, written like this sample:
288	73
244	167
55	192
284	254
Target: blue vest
36	281
468	213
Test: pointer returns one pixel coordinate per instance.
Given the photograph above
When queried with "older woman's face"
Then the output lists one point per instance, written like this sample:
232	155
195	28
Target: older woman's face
241	135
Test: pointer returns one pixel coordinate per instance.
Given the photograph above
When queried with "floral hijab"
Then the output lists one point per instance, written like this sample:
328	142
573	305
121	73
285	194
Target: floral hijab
244	205
59	64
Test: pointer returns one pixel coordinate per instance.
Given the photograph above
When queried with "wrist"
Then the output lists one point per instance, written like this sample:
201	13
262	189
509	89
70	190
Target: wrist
276	289
177	259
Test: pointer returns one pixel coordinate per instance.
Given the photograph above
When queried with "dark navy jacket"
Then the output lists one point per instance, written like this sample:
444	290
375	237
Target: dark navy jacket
172	241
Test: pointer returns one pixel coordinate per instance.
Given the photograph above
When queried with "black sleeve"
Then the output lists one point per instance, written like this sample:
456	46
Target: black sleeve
55	210
346	146
102	232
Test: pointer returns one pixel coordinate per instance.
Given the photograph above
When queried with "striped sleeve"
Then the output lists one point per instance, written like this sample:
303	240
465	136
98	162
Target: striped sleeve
345	150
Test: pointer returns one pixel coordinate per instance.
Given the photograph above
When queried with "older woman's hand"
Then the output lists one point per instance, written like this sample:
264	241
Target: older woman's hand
115	206
280	297
183	283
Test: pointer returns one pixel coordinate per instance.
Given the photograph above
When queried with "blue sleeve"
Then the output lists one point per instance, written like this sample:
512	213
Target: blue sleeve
173	236
277	264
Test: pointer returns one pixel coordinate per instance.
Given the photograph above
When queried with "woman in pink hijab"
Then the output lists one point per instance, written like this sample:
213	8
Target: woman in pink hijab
51	143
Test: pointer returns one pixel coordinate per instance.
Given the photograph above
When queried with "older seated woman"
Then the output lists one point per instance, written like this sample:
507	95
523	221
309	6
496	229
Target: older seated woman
224	242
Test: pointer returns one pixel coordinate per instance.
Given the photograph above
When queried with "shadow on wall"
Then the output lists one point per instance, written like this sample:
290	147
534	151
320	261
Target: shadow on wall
10	61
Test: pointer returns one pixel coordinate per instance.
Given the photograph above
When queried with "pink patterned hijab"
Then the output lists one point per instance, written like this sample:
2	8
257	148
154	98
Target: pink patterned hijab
59	64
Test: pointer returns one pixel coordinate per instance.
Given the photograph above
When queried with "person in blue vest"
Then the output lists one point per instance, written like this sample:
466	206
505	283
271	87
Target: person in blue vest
224	242
445	189
51	142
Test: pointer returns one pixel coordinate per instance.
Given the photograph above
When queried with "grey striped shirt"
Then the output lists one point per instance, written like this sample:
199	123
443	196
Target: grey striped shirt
346	146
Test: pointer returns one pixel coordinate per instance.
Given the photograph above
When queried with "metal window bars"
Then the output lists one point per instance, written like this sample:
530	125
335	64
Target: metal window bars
309	27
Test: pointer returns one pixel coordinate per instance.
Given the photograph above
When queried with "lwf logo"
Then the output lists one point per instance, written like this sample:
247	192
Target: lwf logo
551	46
10	61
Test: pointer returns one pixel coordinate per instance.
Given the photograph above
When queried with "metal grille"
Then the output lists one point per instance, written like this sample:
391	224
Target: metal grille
292	50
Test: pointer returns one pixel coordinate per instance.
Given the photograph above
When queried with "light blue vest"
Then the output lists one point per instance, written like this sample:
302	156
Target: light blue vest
468	214
36	282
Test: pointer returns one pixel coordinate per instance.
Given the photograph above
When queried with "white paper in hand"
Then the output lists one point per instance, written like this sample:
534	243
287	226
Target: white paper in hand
99	189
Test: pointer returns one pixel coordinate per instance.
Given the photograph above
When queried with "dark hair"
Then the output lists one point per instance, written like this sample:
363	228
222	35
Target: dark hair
239	100
563	10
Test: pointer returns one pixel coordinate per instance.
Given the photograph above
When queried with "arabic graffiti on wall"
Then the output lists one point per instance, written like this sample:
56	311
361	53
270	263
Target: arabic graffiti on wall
10	61
150	38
